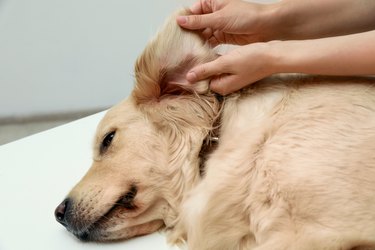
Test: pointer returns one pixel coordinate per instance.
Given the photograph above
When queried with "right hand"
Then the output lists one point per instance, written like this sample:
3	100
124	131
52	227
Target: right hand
227	21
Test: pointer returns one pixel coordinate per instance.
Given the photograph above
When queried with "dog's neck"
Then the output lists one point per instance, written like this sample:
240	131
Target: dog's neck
211	141
183	146
194	148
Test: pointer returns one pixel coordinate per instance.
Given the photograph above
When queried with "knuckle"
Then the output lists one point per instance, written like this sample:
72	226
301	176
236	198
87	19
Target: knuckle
224	88
207	70
206	5
219	89
223	64
221	21
219	85
195	21
203	71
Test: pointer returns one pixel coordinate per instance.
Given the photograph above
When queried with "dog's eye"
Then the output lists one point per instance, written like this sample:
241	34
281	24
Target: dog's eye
107	141
127	200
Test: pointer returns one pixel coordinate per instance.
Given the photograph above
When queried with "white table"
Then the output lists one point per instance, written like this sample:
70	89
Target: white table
35	175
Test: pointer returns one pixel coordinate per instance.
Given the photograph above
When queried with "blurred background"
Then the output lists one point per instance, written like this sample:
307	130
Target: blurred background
61	60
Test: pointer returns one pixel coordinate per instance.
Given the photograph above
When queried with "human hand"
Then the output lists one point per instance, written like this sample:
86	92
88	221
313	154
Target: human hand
228	21
236	69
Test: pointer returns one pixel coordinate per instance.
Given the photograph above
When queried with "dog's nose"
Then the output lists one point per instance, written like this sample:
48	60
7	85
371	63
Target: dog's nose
60	212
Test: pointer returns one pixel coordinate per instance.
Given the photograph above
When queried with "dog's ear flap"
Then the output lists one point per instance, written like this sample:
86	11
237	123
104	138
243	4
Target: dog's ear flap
161	69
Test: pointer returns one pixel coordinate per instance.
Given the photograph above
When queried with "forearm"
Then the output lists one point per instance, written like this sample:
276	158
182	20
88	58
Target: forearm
343	55
309	19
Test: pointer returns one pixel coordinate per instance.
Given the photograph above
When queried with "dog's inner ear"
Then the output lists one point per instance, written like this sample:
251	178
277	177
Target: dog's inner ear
161	69
154	82
172	80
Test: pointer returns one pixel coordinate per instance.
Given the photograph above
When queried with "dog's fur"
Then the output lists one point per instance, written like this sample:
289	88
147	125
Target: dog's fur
294	167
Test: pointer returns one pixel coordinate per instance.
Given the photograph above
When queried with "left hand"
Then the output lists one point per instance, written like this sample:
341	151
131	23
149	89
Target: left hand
235	70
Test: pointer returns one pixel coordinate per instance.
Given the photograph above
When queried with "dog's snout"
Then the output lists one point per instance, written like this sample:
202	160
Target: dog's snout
60	212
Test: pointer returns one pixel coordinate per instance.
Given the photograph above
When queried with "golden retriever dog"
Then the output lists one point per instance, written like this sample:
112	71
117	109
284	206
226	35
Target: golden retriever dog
293	167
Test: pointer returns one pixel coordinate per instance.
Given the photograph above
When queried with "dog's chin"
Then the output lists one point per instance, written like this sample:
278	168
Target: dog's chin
118	224
117	233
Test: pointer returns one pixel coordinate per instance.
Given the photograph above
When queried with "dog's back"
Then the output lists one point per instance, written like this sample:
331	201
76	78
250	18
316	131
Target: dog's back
295	169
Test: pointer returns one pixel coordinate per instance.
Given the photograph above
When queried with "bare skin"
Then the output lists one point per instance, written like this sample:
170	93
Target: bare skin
328	37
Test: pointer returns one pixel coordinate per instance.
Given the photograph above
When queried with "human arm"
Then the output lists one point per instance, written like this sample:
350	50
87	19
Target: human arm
240	22
308	19
344	55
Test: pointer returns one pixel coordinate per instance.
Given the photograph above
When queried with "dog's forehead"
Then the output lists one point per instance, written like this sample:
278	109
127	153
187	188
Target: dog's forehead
122	115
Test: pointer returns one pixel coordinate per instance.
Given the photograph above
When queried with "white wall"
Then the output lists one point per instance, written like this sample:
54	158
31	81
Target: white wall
72	55
66	55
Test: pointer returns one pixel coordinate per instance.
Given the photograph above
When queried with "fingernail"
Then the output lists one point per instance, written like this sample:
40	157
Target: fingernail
182	19
191	76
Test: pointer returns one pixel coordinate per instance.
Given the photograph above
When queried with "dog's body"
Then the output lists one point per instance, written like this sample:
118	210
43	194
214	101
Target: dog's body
294	167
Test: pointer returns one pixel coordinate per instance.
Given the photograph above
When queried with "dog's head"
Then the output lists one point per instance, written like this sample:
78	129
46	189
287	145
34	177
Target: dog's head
146	150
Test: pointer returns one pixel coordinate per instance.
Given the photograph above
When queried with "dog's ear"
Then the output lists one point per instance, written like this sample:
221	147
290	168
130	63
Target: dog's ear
160	70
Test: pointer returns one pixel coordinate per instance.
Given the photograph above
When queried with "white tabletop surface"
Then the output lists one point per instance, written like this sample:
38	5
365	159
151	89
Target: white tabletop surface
35	175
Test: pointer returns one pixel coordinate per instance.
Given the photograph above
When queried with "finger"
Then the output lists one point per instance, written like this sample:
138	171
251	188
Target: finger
205	71
226	84
207	6
216	38
207	33
196	22
213	41
209	36
196	8
203	7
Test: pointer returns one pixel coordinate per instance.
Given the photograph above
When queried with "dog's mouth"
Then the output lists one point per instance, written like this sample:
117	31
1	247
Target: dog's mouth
101	235
126	218
96	230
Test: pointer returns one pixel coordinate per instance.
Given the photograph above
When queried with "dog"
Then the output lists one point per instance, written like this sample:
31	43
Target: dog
286	163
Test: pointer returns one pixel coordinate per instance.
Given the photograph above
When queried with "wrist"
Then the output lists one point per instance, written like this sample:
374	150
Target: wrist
279	60
297	56
264	58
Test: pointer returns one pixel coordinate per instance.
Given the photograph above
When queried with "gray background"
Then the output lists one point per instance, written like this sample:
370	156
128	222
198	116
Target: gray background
72	55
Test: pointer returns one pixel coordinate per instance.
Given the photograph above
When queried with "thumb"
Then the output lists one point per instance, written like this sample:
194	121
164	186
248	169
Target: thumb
196	22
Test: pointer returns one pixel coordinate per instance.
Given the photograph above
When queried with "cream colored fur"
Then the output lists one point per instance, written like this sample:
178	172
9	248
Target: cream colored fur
294	168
